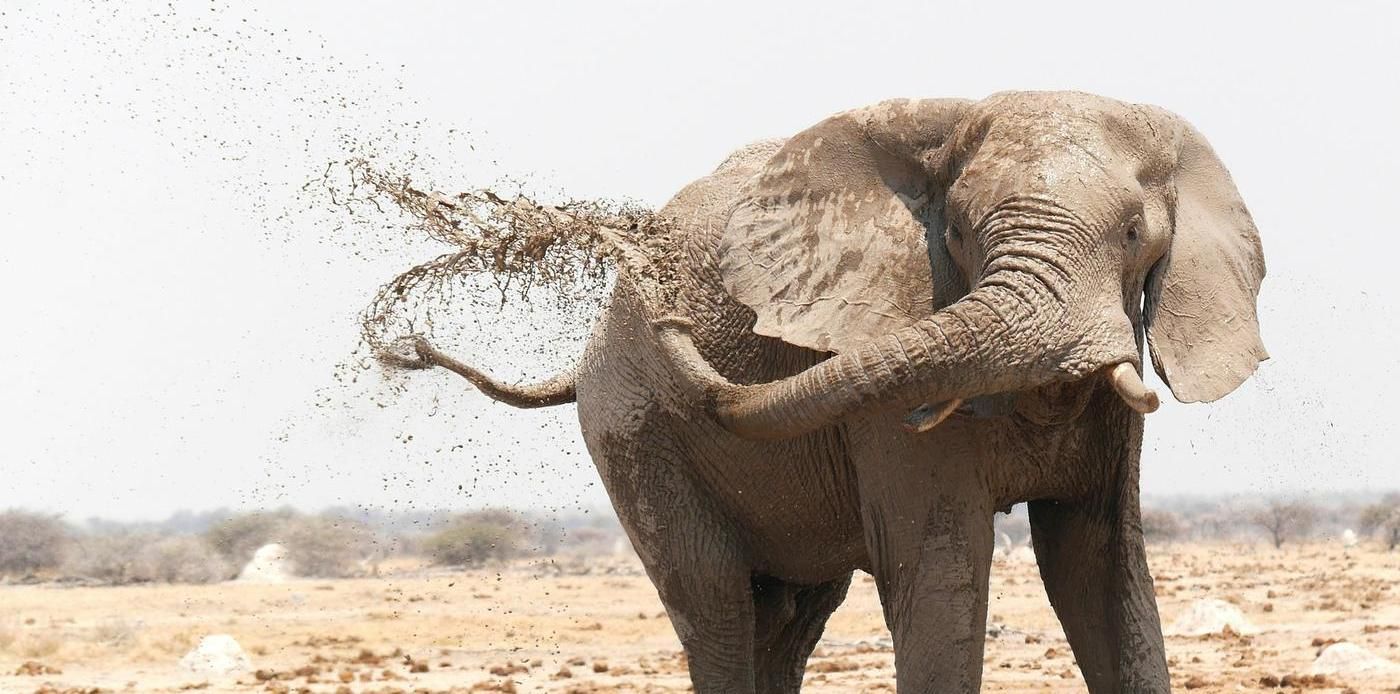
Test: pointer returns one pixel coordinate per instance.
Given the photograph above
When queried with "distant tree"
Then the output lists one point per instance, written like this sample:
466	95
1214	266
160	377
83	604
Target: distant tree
1160	525
472	539
1285	520
180	559
1383	518
31	542
237	537
113	557
1212	524
326	546
120	557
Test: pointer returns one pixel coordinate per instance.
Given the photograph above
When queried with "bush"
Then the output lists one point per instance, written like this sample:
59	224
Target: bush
236	538
472	539
109	557
31	542
1285	520
181	559
1383	518
1161	526
326	547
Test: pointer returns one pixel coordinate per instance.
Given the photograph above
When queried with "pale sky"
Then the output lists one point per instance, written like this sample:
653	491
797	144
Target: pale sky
176	306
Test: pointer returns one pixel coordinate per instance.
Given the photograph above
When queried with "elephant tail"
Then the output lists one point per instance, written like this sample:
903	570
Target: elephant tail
555	390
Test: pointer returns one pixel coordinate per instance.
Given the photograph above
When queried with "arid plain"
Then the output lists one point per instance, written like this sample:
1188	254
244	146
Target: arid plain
532	626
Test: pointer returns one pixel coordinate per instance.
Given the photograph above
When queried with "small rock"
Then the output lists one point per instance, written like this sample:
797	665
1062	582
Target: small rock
1343	658
1211	616
216	654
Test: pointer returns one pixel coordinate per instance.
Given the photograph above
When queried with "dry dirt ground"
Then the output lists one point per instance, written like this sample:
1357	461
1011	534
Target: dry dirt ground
524	629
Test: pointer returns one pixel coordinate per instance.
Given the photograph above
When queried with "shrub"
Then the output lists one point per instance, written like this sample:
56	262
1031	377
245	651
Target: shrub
113	557
122	557
40	646
236	538
116	633
1383	518
1161	526
31	542
1285	520
181	559
472	539
326	547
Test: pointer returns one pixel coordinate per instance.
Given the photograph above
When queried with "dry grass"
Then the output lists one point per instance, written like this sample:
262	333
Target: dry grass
40	645
117	632
539	631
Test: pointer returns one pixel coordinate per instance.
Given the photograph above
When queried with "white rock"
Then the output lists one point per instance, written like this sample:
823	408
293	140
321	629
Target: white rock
1210	616
1004	543
216	654
269	565
1348	659
1349	538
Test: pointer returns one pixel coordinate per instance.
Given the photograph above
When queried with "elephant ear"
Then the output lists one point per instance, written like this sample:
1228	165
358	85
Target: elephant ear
1201	306
830	242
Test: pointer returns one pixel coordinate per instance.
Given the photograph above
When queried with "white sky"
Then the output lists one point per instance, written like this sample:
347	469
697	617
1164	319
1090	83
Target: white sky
175	309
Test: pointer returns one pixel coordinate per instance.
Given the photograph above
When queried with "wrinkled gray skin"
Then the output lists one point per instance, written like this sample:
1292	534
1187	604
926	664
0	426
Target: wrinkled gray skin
1005	252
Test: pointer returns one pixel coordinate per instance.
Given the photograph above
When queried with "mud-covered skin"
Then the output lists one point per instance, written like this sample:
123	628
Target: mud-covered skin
1006	253
723	523
740	535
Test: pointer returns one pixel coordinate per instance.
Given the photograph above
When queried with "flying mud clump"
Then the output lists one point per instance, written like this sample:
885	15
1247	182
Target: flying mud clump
572	250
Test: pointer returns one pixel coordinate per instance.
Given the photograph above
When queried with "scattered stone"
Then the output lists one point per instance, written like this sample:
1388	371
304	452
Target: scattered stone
837	665
31	668
508	669
1021	555
1304	681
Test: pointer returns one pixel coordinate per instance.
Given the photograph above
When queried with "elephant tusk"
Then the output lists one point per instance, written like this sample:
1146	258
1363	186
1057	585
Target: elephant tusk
926	416
1129	386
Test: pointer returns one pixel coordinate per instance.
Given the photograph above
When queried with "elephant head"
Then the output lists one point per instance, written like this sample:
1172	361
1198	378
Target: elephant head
946	249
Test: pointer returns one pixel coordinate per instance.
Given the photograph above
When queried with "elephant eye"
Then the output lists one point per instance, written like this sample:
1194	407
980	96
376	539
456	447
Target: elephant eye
1133	229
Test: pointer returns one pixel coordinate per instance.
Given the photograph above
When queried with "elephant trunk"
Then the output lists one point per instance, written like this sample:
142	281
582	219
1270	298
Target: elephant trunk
1016	330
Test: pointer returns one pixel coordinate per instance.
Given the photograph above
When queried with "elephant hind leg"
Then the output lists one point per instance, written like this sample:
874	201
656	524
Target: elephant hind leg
789	619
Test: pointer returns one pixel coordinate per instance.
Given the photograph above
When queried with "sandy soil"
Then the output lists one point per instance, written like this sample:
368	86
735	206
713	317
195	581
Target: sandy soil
523	629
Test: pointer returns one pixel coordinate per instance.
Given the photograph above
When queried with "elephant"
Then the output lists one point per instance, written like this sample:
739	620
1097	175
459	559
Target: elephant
887	328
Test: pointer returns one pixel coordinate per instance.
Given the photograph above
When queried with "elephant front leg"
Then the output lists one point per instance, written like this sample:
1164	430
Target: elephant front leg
1094	565
928	526
934	592
714	619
